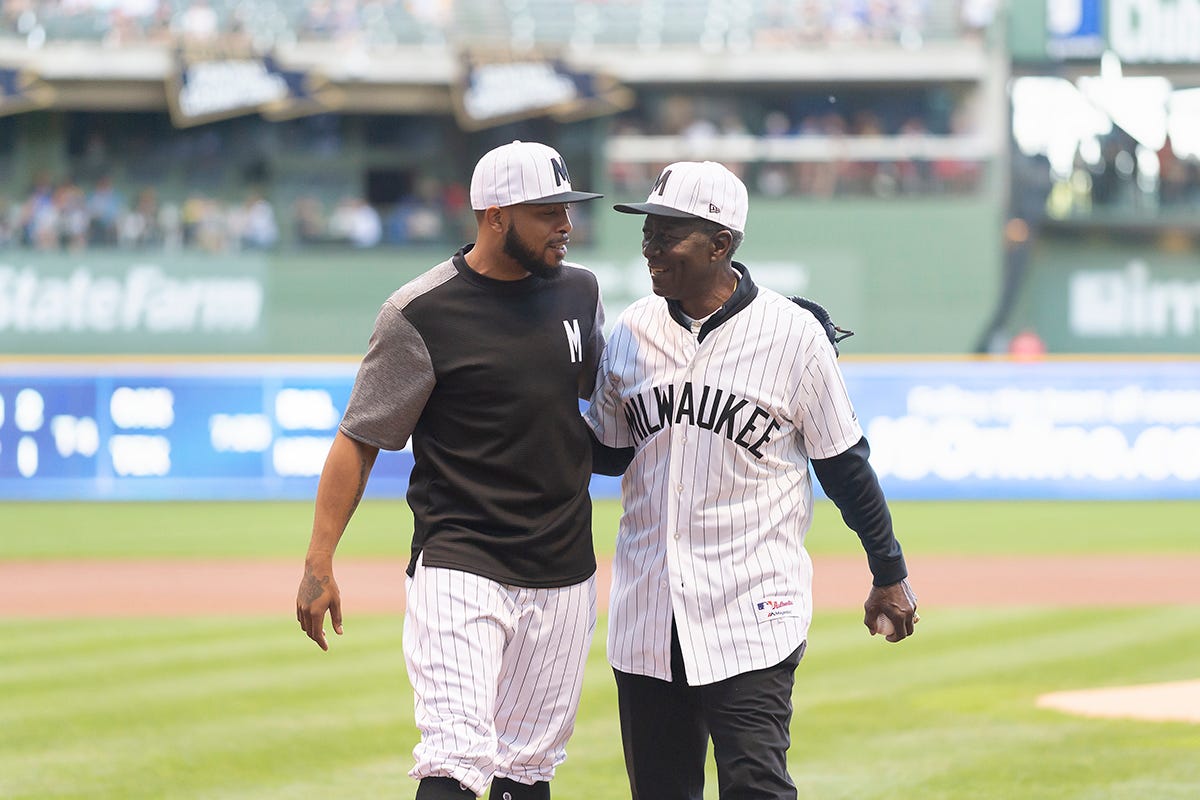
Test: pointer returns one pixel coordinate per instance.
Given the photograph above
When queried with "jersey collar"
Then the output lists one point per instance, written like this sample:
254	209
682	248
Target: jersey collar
741	297
521	286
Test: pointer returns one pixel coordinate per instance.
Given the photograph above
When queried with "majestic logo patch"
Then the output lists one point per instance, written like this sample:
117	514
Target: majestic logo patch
774	607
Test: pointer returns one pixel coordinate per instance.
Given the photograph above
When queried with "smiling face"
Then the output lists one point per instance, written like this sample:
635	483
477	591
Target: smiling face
537	236
688	261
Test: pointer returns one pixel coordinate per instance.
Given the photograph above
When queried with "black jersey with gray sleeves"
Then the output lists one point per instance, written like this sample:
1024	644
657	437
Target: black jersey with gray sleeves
485	377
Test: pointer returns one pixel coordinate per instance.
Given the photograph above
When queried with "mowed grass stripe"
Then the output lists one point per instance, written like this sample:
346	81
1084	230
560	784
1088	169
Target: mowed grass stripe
216	759
203	726
1018	648
951	712
66	639
383	528
206	643
948	714
242	661
180	529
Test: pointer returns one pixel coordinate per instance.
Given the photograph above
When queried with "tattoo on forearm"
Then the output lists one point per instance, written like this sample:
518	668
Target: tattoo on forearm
312	587
364	471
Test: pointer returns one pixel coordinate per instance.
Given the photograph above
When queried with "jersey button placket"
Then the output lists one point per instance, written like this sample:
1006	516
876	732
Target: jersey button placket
678	511
677	457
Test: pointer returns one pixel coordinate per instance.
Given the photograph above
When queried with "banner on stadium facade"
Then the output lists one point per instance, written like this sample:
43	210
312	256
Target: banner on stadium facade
496	91
313	304
1110	297
22	90
117	304
209	86
308	93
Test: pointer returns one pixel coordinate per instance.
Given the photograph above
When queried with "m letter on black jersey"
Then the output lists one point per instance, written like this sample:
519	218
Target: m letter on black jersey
574	339
560	171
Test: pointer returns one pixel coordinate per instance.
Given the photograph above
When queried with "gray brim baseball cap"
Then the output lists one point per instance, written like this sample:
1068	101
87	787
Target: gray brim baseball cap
523	173
697	189
654	208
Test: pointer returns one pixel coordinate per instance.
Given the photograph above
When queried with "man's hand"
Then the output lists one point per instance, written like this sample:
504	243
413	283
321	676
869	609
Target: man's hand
317	594
896	602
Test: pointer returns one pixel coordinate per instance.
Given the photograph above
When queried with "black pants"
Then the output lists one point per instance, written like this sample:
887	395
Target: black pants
666	727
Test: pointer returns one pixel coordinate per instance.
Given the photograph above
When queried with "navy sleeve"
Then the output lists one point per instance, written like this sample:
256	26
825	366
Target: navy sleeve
851	483
609	460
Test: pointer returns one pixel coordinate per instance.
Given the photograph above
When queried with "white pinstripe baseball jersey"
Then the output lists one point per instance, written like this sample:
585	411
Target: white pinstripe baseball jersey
718	497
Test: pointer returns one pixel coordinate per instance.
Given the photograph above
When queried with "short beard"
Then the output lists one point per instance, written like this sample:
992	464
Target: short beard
515	249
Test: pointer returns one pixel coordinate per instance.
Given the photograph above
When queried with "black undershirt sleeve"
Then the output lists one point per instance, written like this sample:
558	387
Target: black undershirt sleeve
851	483
609	460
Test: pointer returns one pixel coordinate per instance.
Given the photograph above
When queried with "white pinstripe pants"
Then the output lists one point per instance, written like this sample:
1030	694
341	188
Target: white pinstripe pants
496	672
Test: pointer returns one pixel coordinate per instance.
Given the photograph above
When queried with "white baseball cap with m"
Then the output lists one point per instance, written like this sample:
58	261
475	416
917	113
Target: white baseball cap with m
523	172
703	189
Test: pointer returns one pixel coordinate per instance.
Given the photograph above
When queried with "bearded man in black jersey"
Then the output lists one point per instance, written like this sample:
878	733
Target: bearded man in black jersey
482	361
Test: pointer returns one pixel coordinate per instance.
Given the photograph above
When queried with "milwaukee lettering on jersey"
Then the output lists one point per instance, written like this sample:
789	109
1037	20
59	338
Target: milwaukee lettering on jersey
724	413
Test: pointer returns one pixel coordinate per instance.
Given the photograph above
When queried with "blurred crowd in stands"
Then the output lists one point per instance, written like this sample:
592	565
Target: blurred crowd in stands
169	196
248	184
828	119
195	189
87	208
63	216
260	23
266	23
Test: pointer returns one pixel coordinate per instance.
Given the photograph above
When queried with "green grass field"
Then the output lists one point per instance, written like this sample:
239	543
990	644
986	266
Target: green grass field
247	708
384	528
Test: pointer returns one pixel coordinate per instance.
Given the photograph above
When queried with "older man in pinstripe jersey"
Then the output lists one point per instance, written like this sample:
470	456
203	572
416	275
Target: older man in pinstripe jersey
713	396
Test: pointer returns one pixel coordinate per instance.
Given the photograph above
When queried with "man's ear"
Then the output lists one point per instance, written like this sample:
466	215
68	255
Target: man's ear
495	218
722	242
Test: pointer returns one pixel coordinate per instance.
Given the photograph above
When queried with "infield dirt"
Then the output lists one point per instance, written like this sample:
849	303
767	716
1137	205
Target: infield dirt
95	588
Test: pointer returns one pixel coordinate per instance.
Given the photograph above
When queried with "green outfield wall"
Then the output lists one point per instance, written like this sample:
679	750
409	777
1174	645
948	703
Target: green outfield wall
917	276
1112	294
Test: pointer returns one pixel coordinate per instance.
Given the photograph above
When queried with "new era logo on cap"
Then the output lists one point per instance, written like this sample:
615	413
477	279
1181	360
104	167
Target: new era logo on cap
523	172
703	189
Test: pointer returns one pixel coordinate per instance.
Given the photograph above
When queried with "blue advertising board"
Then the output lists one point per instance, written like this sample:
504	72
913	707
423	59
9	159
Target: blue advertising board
186	430
1127	429
1100	429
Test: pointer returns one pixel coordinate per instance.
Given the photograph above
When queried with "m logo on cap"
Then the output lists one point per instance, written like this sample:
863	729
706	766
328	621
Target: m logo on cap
698	187
523	172
560	171
661	183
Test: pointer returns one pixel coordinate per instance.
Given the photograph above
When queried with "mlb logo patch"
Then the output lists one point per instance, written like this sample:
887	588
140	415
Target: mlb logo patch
769	608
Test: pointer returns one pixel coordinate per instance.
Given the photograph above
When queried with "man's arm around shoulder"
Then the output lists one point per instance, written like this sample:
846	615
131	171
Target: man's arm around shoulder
609	460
